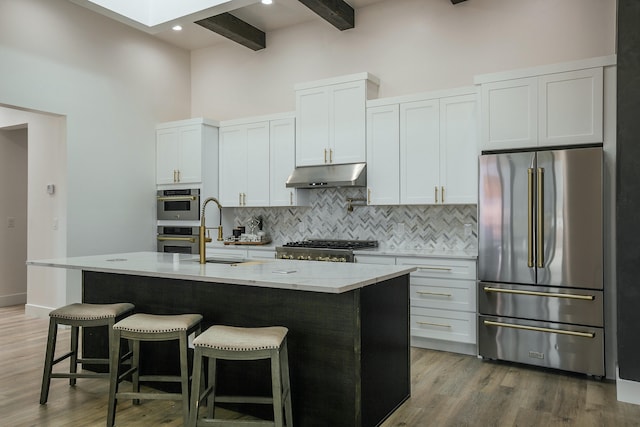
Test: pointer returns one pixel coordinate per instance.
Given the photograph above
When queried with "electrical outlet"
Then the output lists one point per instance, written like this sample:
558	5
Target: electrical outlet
11	222
400	228
467	230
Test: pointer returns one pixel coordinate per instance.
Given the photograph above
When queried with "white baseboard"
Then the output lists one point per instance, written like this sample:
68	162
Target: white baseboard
13	299
627	391
37	311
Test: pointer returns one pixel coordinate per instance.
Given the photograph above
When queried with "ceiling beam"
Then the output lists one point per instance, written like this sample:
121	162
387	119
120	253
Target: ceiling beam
336	12
235	29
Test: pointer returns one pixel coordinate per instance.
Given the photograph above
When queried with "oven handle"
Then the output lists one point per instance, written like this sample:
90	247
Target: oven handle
539	329
175	198
177	239
539	294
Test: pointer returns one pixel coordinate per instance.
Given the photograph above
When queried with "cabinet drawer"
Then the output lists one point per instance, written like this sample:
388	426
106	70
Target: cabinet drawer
444	325
374	259
443	294
441	267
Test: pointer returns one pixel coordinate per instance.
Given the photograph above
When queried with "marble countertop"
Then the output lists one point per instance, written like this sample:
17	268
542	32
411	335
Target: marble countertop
282	274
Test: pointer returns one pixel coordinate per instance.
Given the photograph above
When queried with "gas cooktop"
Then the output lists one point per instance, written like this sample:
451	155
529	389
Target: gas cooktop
333	244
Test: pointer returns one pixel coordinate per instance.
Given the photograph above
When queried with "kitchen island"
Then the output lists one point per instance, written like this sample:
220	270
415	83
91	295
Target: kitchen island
348	323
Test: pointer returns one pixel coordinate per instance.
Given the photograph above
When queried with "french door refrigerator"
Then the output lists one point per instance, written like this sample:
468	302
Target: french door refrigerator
540	258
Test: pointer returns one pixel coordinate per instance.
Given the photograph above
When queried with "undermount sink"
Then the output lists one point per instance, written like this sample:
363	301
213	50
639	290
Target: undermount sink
223	261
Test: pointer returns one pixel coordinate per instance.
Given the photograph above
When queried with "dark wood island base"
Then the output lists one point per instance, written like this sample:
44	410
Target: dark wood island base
348	352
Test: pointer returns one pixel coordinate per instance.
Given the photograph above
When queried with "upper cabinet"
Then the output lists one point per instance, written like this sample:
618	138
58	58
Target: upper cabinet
423	149
282	140
553	107
184	149
244	164
331	119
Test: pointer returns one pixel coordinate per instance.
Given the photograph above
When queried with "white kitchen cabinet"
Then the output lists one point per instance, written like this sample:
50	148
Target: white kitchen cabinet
331	120
423	149
420	152
551	109
244	164
443	303
282	139
459	150
182	149
383	155
439	151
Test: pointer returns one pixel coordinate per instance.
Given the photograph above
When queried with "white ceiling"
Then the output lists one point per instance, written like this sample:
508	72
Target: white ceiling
158	21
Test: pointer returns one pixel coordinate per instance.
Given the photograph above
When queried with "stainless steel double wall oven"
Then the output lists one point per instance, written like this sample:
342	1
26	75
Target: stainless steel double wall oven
540	258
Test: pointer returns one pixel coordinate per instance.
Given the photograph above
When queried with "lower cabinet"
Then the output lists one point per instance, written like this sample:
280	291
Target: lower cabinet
442	301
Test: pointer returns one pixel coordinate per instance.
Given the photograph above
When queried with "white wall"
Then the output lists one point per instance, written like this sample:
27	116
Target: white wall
411	45
13	216
111	85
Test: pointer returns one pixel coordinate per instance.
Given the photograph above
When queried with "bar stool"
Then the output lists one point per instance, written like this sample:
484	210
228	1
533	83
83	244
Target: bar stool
78	316
233	343
149	327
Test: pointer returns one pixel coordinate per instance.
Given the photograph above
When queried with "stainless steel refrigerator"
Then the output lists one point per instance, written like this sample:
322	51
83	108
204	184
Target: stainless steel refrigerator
540	258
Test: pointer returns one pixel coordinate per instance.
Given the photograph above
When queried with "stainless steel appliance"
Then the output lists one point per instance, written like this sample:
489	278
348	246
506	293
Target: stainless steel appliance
179	204
540	258
323	250
176	239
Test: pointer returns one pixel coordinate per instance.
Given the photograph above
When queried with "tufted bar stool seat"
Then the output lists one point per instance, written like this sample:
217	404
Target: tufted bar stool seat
151	327
78	316
235	343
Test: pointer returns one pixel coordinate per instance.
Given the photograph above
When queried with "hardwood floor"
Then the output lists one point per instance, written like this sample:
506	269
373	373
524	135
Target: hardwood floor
447	390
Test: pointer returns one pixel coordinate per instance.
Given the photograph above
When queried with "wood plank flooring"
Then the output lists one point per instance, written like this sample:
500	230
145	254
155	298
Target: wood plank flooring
447	390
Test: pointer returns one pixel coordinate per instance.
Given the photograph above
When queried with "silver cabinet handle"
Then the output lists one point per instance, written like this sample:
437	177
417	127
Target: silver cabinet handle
439	294
175	198
435	268
538	329
539	294
441	325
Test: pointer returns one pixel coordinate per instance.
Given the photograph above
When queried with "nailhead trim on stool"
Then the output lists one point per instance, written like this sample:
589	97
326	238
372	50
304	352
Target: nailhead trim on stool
234	343
151	327
78	316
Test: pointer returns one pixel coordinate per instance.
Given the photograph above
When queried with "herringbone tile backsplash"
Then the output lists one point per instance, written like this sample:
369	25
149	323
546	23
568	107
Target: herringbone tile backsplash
444	227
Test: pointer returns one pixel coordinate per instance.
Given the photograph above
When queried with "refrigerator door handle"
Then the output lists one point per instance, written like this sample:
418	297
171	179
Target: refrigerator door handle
540	219
530	218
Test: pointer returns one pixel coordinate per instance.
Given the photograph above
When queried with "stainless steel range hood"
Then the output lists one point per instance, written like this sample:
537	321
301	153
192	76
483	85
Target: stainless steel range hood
325	176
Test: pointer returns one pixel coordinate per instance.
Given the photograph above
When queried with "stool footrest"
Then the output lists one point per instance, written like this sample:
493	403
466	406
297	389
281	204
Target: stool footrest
79	375
244	399
61	358
160	378
148	396
236	423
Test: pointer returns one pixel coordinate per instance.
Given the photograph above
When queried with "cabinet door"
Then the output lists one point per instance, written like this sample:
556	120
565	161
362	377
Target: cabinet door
312	126
190	154
233	165
256	192
282	155
570	107
383	155
419	152
166	156
347	122
458	150
509	114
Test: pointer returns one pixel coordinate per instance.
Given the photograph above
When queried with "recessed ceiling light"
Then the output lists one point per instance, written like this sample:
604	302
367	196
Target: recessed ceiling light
177	28
267	1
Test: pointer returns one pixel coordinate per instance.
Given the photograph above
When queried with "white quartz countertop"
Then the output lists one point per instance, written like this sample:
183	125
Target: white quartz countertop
282	274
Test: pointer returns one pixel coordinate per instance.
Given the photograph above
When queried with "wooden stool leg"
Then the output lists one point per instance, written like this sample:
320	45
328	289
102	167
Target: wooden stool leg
276	388
184	376
114	377
73	360
48	360
196	393
211	399
286	387
135	366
